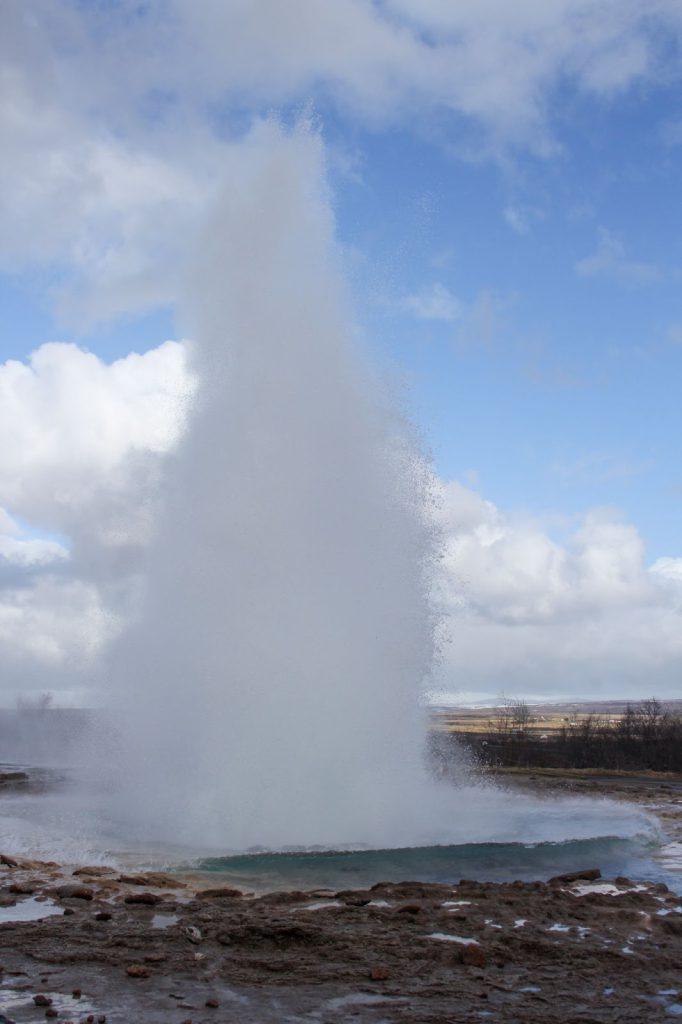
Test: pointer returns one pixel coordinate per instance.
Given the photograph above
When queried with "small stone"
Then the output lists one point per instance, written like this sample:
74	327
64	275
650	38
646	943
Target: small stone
41	1000
147	899
51	1012
23	888
409	908
193	934
73	892
473	956
213	1004
379	974
76	994
101	1019
102	915
220	894
69	911
588	875
90	1019
137	971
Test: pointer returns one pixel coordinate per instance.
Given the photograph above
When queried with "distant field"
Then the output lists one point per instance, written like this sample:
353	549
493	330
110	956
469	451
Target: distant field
545	719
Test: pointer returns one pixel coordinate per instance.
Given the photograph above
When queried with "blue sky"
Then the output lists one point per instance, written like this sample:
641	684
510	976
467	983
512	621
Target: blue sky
563	393
505	181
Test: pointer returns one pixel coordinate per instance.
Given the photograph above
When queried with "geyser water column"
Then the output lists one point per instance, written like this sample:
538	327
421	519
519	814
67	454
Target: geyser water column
268	689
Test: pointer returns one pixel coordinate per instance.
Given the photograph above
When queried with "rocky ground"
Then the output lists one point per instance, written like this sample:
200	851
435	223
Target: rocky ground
165	948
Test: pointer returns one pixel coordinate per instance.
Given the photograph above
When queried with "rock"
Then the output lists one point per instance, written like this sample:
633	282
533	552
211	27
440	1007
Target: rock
9	862
41	1000
23	888
76	994
157	879
212	1003
102	915
473	955
220	894
94	872
588	875
193	934
623	881
72	892
409	908
148	899
69	911
379	974
9	778
137	971
155	958
51	1012
672	924
101	1019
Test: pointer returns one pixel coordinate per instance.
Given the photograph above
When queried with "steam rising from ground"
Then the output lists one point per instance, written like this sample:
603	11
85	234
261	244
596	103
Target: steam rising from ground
267	695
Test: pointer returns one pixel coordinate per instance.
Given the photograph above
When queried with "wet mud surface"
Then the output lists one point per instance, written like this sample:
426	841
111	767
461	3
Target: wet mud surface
151	948
94	945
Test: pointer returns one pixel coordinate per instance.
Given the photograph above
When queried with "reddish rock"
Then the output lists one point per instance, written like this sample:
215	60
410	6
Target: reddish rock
102	915
51	1012
137	971
23	888
41	1000
409	908
212	1003
76	994
148	899
72	892
473	956
379	974
154	878
220	894
588	875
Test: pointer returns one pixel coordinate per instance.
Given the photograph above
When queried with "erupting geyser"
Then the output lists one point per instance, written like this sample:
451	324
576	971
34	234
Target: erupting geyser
269	687
267	693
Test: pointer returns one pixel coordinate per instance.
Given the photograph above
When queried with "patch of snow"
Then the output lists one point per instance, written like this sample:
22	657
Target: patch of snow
604	889
442	937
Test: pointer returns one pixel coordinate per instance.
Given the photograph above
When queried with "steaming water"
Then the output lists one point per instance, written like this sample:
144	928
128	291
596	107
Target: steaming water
266	696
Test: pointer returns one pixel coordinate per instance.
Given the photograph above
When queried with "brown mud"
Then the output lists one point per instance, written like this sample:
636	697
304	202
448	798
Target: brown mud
166	948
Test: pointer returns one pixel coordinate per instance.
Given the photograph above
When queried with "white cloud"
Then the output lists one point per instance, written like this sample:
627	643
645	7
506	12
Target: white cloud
610	259
16	549
52	624
523	612
112	150
78	433
81	457
530	615
434	302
